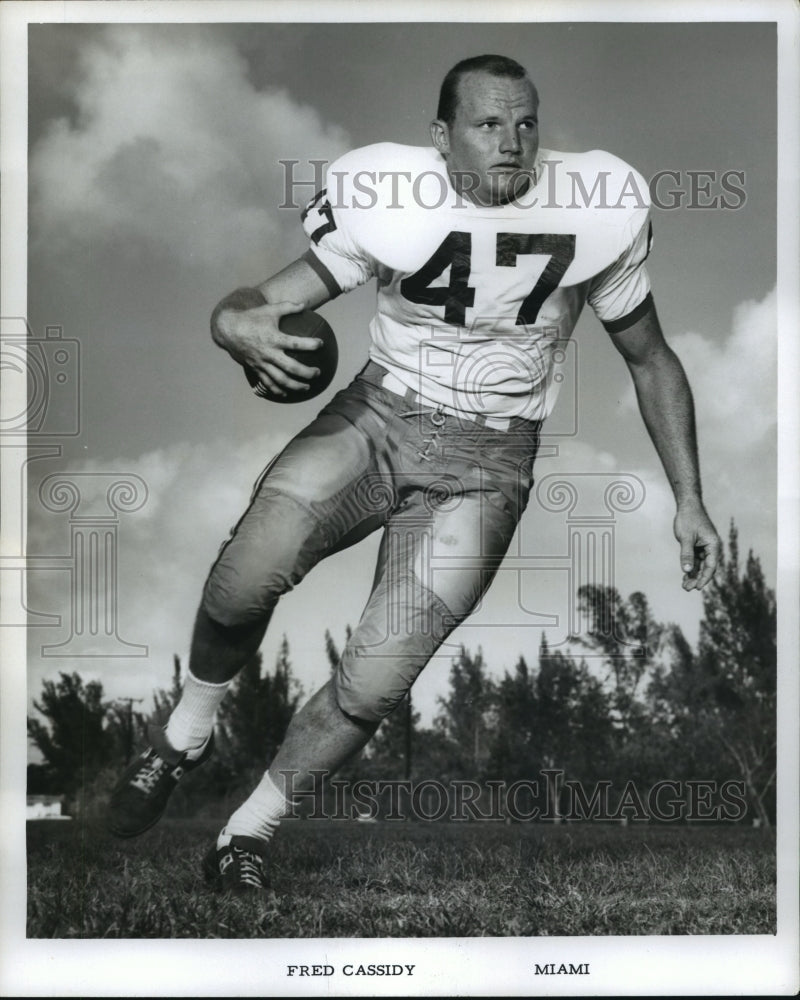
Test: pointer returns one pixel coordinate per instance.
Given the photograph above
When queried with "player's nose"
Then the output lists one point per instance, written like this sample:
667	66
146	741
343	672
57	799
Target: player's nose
510	140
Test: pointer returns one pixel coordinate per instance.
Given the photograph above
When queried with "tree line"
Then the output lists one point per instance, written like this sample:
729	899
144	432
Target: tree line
628	705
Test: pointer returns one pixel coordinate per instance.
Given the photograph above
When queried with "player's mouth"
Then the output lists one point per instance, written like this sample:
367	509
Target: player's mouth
506	165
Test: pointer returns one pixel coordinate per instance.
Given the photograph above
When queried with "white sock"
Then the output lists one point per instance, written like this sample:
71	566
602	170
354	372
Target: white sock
191	723
260	815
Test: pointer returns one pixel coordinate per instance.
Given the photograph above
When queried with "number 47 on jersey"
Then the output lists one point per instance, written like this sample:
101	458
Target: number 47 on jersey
455	252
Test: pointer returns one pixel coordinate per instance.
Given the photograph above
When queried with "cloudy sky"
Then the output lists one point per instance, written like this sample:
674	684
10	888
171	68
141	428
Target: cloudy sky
155	184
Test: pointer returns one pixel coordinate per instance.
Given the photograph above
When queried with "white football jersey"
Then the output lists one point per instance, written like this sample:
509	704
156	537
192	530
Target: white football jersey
473	300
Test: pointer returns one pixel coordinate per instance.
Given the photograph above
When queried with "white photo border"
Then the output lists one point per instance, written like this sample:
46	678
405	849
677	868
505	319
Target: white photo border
620	966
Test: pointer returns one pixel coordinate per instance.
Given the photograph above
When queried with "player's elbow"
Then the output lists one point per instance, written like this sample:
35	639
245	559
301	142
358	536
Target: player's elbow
660	376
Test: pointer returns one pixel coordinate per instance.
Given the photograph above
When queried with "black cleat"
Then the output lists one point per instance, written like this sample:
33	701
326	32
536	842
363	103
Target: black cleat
141	794
237	865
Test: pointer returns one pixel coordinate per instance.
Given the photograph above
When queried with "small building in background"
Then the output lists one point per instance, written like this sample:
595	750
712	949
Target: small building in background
45	807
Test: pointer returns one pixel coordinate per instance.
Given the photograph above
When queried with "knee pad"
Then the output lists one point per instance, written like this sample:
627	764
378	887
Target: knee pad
371	682
364	702
380	663
231	599
272	547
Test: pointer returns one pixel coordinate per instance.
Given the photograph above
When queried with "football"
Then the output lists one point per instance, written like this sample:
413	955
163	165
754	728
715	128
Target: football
302	324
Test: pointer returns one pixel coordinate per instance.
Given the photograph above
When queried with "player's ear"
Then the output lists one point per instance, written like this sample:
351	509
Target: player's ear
440	136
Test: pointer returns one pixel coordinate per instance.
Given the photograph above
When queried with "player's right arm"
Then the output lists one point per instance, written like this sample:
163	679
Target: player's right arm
251	335
334	263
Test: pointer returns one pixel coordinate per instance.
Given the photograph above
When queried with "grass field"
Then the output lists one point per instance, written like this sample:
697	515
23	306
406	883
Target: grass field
349	879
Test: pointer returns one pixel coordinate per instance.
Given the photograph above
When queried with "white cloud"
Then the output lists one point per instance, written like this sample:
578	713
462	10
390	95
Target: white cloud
735	391
734	386
169	168
173	150
163	552
195	495
734	383
645	555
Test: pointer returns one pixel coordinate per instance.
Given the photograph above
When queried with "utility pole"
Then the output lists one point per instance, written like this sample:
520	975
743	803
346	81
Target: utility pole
127	727
408	737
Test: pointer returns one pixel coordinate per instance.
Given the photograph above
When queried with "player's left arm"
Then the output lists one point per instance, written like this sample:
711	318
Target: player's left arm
666	404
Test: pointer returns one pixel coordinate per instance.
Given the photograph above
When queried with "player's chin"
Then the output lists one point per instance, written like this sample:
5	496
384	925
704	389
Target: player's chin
506	185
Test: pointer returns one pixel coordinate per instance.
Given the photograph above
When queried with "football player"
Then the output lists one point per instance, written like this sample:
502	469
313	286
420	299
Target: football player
485	249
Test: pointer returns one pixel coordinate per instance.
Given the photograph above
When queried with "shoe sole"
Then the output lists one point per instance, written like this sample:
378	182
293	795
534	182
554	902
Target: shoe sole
130	834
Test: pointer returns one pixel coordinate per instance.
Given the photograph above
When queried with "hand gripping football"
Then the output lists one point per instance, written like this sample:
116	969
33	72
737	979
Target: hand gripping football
302	324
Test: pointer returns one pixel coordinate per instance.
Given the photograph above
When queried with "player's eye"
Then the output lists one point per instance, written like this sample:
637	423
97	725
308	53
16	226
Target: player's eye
529	125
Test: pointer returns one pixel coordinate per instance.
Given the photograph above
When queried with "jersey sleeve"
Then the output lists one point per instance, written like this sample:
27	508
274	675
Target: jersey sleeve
334	251
620	295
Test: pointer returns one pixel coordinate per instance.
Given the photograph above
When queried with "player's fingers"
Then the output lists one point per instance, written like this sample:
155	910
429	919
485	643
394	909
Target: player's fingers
281	366
266	383
705	574
687	554
265	392
708	565
282	379
288	342
292	367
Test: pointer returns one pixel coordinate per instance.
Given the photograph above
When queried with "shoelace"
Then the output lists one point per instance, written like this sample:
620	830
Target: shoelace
147	776
250	871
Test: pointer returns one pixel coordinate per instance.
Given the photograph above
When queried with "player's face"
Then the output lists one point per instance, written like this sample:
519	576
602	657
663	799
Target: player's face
491	145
